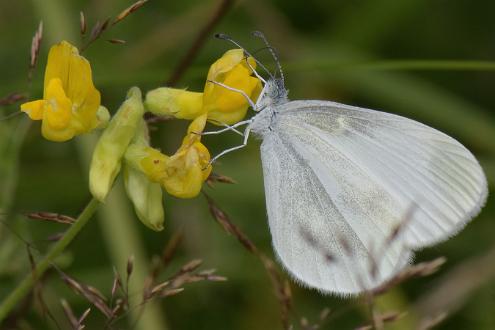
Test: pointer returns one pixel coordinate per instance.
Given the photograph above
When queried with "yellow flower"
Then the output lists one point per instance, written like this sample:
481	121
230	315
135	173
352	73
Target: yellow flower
70	104
189	167
148	160
227	106
181	174
222	105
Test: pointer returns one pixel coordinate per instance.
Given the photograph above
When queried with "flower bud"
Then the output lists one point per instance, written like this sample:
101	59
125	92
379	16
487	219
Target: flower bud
102	117
108	153
179	103
146	196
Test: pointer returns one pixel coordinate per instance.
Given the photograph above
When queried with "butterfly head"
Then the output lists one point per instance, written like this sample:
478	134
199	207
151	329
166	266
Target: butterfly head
273	93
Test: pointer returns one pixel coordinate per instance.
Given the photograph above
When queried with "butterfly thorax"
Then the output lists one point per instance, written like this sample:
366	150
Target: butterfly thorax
272	96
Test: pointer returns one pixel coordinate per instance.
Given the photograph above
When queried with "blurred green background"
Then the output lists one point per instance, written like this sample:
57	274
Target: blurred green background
428	60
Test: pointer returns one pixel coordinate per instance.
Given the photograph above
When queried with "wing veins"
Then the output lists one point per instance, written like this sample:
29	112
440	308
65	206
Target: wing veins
459	189
384	234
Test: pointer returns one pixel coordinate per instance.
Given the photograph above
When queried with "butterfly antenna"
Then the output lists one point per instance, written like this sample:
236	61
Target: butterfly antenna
226	37
272	51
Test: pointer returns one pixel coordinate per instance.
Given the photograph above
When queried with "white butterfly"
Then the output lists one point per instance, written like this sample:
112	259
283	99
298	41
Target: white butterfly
341	180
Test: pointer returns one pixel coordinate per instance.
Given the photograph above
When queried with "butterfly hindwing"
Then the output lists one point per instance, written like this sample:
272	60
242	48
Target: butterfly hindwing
313	238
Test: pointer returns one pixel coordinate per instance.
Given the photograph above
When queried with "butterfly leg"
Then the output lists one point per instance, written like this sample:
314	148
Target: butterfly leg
229	128
223	153
251	103
254	70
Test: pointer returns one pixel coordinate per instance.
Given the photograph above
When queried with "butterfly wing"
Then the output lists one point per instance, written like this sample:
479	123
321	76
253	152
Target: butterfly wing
338	176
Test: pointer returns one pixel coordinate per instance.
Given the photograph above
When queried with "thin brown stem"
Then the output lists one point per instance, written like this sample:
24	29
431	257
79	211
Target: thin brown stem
280	285
198	43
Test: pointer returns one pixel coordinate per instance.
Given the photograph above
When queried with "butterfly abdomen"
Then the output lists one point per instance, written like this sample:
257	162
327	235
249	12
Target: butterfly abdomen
263	122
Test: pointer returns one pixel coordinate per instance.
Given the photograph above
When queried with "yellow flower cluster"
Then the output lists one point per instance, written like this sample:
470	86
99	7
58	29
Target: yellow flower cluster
71	106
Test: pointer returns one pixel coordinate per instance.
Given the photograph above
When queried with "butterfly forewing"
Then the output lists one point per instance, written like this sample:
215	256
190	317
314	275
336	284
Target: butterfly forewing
311	234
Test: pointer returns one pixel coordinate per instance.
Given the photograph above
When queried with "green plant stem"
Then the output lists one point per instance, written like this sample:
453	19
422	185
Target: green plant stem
24	287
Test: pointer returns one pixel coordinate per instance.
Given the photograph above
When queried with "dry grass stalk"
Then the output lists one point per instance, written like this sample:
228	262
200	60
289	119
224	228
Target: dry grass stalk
116	284
171	247
55	237
384	318
153	119
130	266
419	270
171	292
93	295
119	306
369	299
392	237
159	263
98	29
281	287
129	10
306	325
116	41
38	289
453	289
401	226
36	45
325	312
215	177
83	26
190	266
222	218
431	322
76	324
187	274
83	317
374	261
129	270
51	217
160	287
12	99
